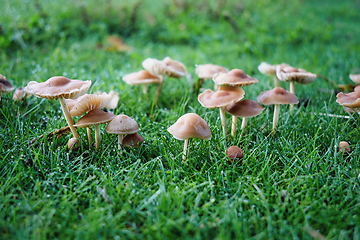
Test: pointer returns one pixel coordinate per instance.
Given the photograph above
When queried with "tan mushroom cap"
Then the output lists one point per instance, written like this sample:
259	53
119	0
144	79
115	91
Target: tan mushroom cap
5	85
132	140
174	68
222	97
234	153
235	77
277	95
190	125
245	108
269	69
351	100
20	94
58	87
299	75
140	77
95	116
122	124
355	78
154	66
86	103
207	71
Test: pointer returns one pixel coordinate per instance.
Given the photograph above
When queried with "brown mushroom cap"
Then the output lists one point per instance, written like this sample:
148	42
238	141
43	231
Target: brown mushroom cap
154	66
245	108
355	78
207	71
140	77
95	116
58	87
73	144
174	68
86	103
344	147
299	75
190	125
234	153
351	100
5	85
132	140
235	77
122	124
277	95
222	97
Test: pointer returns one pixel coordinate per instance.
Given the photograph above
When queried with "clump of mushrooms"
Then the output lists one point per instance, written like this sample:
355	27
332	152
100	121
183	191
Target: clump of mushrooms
122	125
189	126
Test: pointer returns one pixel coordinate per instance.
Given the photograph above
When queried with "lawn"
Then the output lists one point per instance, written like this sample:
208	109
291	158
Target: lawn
293	184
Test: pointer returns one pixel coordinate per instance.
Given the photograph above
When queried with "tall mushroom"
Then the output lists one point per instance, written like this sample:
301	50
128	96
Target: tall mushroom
122	125
60	88
189	126
276	97
94	118
157	68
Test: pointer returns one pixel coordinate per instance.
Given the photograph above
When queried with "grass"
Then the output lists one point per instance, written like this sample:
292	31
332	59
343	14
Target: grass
291	185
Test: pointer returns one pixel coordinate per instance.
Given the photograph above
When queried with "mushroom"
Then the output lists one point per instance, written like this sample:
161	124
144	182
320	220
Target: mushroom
270	70
142	77
73	144
60	88
234	153
344	147
221	98
355	78
350	100
276	97
20	94
86	103
189	126
207	71
122	125
95	117
5	86
158	68
292	75
246	109
174	68
132	140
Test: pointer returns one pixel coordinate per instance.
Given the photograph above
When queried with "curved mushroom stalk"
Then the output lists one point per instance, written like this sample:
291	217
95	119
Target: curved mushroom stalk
68	118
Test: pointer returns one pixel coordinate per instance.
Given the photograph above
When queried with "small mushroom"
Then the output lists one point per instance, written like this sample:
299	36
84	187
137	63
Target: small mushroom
5	86
73	144
270	70
142	77
94	118
246	109
350	100
60	88
234	153
132	140
20	94
221	98
234	78
174	68
355	78
344	147
276	97
205	72
122	125
189	126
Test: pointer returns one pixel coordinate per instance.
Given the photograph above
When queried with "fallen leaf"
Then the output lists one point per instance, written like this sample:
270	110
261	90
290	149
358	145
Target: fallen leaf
117	45
50	136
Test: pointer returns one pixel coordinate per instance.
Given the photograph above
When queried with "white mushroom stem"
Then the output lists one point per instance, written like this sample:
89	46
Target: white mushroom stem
216	87
68	118
244	124
276	116
186	150
97	136
88	130
233	126
120	140
276	81
158	90
223	120
144	87
292	90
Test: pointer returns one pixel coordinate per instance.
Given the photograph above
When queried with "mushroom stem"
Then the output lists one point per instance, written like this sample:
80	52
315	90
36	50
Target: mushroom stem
233	126
276	81
144	87
223	120
292	90
186	150
97	136
68	118
216	87
158	90
120	139
244	124
88	130
198	85
276	116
